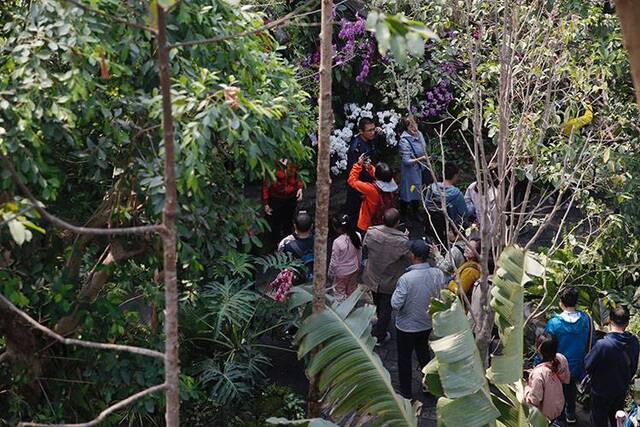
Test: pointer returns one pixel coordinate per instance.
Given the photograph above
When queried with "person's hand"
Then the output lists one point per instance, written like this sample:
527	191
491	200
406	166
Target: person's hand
363	159
268	210
378	130
299	195
435	249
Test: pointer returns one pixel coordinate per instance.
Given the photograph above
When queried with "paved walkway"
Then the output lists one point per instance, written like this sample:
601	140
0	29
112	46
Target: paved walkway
388	354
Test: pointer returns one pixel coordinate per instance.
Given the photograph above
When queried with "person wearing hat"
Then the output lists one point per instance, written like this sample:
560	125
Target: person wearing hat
416	287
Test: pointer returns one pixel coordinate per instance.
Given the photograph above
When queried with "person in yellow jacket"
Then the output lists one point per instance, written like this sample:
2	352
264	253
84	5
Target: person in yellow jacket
470	271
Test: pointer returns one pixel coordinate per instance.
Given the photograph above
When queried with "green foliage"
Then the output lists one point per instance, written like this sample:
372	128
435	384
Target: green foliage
350	372
515	268
457	373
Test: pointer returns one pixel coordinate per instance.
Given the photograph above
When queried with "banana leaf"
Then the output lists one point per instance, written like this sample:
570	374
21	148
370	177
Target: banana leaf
515	266
466	400
352	376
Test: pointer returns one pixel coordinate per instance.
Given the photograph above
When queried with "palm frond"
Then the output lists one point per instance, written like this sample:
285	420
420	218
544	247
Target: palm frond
279	261
229	302
235	264
351	373
232	380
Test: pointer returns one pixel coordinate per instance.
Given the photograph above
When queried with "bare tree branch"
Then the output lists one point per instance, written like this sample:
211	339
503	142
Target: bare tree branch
63	224
6	304
104	414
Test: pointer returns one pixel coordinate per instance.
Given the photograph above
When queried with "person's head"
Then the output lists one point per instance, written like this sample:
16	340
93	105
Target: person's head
302	222
409	124
383	172
619	317
568	298
547	347
472	249
343	225
451	172
419	251
367	128
391	217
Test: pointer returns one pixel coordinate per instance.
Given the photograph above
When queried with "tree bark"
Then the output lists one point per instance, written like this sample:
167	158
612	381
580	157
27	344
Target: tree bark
629	13
325	123
168	232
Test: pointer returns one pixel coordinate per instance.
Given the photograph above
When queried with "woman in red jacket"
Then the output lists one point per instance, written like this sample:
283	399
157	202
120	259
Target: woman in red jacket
280	198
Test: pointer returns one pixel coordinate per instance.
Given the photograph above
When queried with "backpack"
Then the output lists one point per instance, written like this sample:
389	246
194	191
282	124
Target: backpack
387	201
307	258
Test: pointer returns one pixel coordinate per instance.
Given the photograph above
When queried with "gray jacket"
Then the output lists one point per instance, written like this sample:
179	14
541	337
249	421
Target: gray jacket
413	295
387	259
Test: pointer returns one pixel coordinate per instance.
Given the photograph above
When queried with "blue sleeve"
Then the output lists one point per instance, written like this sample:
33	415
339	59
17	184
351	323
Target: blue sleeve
399	295
406	155
550	328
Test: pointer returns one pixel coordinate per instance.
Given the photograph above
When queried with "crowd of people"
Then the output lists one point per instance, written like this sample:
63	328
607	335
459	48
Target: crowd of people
371	247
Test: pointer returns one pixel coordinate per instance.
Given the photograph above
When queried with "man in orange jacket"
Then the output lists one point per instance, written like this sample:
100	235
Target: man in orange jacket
375	193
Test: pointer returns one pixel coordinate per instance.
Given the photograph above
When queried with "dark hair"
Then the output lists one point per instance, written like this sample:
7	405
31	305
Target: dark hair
406	121
450	170
391	217
547	346
569	297
303	221
343	222
362	124
619	315
383	172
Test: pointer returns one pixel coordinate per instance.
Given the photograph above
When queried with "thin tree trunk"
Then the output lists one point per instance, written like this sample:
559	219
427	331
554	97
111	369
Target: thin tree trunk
325	123
629	13
172	369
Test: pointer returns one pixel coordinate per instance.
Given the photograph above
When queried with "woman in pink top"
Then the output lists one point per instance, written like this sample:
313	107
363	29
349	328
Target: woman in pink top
346	254
544	389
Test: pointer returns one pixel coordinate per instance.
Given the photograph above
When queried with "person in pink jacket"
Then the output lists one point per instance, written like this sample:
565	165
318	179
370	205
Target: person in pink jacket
544	389
346	254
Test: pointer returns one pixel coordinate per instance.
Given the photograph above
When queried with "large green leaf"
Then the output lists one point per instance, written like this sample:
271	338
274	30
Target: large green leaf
459	368
351	374
515	266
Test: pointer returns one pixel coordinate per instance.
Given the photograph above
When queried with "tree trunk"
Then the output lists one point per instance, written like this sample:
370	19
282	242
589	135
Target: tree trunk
325	123
629	13
172	369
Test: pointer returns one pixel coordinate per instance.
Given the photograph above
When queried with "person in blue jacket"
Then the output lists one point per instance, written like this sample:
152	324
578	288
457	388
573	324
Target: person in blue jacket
574	331
612	364
412	148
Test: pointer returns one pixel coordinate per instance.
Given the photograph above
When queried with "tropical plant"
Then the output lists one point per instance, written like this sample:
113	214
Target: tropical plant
457	373
351	374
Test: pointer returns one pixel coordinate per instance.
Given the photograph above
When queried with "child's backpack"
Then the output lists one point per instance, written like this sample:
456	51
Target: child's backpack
387	201
307	258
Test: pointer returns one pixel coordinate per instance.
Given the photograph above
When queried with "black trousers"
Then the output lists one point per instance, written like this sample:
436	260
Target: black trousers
408	342
603	410
570	392
383	311
281	220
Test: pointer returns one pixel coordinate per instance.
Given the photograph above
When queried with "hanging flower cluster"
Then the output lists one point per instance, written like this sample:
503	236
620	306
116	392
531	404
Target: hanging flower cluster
436	101
353	42
341	138
281	285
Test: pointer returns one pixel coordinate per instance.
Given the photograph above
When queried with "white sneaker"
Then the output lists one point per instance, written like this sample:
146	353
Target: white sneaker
386	338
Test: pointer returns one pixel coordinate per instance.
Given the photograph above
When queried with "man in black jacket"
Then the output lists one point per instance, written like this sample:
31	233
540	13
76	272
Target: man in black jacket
612	363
